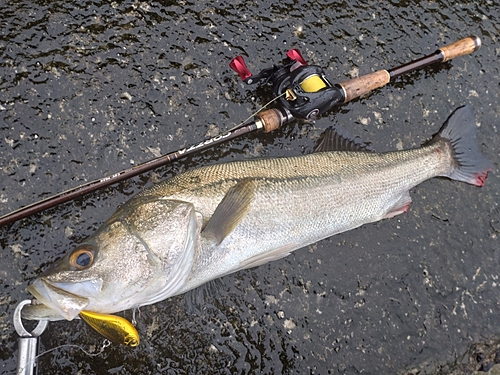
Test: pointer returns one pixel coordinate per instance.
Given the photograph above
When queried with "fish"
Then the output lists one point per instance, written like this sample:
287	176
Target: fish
218	219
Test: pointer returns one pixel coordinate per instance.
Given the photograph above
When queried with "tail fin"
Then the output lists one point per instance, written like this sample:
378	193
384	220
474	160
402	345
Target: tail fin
471	165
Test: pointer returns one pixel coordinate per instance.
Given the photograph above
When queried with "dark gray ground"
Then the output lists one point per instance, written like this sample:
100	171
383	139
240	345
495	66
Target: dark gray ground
88	88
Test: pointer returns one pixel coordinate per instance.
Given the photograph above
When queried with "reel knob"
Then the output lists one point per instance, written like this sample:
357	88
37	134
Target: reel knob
239	66
294	54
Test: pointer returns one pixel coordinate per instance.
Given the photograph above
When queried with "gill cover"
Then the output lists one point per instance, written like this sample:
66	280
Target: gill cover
169	231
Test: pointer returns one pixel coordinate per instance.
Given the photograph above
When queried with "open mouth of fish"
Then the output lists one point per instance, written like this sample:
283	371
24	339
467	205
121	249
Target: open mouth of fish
52	302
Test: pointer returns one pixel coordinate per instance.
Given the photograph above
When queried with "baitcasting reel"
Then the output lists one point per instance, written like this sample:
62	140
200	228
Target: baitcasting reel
301	89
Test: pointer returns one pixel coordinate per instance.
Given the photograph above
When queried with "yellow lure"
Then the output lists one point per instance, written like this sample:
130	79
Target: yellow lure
115	328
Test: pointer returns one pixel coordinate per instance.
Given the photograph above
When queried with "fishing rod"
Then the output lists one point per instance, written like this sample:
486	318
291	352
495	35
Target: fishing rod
305	91
302	91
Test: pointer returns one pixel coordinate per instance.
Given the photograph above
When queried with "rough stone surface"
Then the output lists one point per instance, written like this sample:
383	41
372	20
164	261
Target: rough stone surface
88	88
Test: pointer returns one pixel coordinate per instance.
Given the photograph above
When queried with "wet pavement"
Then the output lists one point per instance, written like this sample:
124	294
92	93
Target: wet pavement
90	88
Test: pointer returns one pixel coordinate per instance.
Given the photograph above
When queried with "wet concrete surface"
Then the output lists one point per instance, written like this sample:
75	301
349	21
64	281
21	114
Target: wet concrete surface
90	88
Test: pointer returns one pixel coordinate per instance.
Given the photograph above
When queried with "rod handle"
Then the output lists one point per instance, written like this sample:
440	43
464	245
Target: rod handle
461	47
364	84
272	119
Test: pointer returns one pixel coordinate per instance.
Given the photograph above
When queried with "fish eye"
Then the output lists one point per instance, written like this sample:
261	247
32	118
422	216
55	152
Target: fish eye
82	257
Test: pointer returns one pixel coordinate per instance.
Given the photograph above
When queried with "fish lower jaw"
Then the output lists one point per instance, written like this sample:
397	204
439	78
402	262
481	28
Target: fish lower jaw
38	311
50	298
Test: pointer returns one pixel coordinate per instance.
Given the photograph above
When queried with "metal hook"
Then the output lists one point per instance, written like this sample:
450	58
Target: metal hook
27	342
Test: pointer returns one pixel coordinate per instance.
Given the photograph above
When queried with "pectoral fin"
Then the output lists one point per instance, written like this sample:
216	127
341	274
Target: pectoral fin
230	211
197	299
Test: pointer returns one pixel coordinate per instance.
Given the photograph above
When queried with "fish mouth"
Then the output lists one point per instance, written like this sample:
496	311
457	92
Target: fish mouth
52	302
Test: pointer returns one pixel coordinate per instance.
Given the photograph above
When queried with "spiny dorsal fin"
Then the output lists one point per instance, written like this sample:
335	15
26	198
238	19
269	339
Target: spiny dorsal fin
230	210
339	139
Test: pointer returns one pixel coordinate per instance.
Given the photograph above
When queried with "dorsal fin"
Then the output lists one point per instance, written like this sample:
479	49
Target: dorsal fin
338	139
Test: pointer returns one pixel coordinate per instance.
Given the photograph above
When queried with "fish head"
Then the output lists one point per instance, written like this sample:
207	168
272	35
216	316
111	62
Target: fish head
141	255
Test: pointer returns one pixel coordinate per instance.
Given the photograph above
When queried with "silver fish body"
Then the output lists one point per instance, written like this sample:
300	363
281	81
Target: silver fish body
218	219
297	201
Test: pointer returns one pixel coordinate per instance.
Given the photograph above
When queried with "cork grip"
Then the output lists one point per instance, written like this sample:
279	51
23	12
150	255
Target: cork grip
361	85
461	47
270	120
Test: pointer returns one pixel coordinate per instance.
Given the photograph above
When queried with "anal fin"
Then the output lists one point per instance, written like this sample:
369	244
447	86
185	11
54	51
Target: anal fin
401	206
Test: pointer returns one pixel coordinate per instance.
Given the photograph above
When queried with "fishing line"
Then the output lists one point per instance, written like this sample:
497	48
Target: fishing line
105	344
255	113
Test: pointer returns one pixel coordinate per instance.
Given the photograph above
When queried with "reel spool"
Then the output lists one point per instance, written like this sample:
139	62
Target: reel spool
313	83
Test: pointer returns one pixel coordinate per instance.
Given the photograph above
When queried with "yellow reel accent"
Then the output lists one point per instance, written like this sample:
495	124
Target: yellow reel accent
115	328
313	83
